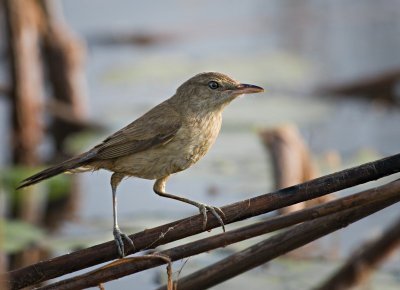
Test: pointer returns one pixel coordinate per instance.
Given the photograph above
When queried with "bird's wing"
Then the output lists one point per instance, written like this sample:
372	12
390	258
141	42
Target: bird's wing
158	126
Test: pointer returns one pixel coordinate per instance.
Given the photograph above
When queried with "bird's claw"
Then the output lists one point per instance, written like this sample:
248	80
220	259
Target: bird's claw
118	238
216	211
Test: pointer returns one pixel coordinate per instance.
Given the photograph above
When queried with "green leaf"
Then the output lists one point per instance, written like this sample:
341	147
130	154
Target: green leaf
17	235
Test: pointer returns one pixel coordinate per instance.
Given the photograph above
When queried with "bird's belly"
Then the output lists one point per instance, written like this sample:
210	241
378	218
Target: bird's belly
161	161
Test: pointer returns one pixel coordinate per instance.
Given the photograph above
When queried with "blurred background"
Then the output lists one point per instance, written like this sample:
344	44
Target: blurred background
72	72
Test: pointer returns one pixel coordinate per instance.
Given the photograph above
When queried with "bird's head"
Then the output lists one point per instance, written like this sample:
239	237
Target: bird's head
211	91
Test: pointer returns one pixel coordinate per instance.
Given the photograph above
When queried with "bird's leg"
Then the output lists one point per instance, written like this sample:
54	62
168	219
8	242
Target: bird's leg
116	178
159	188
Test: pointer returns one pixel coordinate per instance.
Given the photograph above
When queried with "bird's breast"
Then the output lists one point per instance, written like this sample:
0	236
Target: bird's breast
195	138
200	133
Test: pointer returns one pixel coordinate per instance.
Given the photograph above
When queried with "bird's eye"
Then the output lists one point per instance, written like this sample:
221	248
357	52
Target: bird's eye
213	85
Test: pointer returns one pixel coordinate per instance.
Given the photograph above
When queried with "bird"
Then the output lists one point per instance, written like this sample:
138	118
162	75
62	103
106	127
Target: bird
169	138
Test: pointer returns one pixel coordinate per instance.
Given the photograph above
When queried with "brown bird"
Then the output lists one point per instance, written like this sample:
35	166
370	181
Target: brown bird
167	139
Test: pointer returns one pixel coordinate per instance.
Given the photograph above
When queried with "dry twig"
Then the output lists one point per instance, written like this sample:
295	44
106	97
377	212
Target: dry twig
151	238
359	205
280	244
365	260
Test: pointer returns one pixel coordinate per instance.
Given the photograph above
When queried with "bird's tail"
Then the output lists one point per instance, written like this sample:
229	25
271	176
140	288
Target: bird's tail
62	167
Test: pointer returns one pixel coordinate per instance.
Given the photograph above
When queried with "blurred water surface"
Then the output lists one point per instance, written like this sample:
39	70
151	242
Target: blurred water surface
287	47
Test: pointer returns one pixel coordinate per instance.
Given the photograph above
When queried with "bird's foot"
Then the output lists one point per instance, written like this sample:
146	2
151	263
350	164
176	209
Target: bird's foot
216	211
118	238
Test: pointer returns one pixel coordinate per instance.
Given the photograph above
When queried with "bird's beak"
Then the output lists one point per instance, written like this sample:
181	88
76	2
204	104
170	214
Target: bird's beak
248	89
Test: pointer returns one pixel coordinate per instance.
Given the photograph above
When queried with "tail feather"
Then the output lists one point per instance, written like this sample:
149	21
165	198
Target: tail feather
57	169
